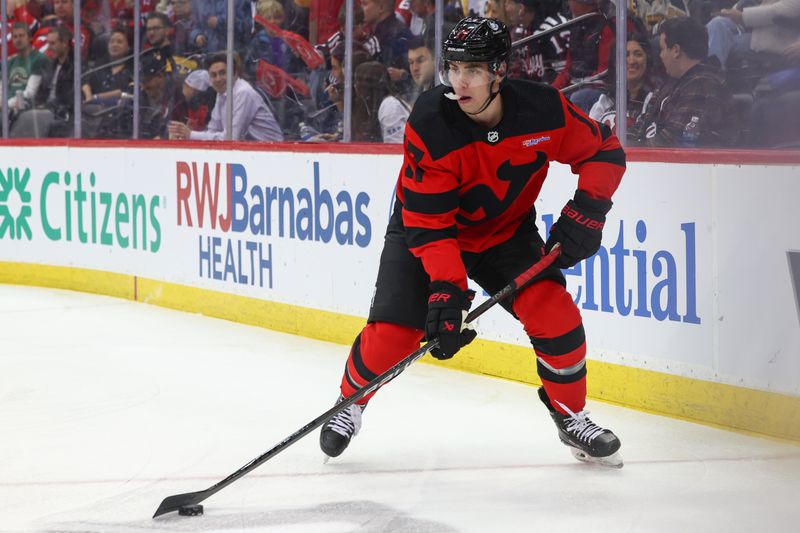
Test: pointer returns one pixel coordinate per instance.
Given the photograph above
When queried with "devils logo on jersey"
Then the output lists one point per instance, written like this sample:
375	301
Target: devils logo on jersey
482	199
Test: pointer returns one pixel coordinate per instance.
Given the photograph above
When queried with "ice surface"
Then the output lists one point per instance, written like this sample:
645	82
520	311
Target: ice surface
108	406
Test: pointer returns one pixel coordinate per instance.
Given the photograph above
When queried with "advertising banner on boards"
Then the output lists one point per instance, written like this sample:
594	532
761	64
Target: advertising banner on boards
664	292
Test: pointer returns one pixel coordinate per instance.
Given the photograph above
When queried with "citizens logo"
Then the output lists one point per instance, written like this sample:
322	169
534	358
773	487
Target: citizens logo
14	219
71	207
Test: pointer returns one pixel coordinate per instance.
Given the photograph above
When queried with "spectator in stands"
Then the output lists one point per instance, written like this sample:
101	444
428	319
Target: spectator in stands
211	31
361	37
421	63
495	9
270	47
122	10
640	81
322	20
108	92
392	35
110	83
653	12
157	43
295	16
161	99
62	15
59	86
183	23
52	115
252	118
378	114
25	71
200	97
331	106
423	20
691	109
590	51
769	27
543	59
335	89
16	11
776	105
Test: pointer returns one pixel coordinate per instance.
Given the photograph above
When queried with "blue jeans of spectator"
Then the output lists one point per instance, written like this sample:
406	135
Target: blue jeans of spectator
725	37
585	98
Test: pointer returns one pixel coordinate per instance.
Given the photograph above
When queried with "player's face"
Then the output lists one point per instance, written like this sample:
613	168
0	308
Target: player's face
471	82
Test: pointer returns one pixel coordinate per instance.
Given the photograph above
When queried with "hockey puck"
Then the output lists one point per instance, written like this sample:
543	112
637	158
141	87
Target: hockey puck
191	510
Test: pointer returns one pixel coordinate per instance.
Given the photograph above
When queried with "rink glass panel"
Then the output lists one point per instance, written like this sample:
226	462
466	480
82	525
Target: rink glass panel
285	59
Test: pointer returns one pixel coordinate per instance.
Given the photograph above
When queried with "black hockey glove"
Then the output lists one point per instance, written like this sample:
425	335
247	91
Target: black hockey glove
447	309
579	229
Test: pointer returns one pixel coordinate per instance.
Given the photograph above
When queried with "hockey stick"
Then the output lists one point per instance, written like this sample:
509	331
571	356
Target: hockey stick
173	503
555	29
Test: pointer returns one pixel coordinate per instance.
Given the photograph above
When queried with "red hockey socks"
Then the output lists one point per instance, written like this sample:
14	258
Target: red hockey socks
553	323
378	347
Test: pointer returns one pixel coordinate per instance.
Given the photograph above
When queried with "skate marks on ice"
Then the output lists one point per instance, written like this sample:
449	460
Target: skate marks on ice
334	517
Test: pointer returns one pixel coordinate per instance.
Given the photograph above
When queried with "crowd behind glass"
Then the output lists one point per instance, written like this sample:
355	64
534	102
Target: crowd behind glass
698	73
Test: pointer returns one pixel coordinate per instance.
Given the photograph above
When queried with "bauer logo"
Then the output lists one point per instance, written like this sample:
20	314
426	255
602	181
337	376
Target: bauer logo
635	277
15	199
73	209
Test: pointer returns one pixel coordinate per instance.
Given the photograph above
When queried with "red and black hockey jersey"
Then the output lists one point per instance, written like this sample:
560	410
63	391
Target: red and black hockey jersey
467	188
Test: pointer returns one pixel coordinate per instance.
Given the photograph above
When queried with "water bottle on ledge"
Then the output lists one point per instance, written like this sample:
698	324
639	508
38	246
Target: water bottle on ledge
307	133
691	133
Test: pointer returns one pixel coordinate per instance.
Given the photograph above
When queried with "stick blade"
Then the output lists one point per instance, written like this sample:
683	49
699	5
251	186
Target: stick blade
173	503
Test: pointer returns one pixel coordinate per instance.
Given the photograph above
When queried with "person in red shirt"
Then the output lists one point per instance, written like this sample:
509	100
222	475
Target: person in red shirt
62	15
16	11
476	154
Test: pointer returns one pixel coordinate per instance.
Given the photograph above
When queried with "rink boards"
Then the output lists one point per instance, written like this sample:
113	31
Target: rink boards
690	307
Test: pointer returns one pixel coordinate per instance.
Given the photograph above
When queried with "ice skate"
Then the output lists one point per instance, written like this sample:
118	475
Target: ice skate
587	441
339	430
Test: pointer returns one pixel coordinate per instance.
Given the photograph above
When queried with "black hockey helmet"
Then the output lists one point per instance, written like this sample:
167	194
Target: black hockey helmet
478	40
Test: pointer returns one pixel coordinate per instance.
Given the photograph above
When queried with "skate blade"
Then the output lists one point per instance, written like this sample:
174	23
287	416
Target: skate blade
612	461
325	458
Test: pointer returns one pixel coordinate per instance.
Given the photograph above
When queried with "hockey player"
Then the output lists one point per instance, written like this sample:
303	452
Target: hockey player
476	154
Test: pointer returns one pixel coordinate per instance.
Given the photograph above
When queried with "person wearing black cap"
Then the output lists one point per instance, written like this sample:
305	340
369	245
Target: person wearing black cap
476	153
161	98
